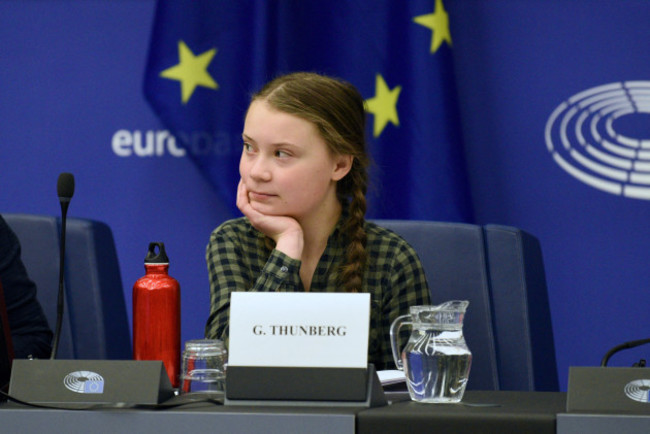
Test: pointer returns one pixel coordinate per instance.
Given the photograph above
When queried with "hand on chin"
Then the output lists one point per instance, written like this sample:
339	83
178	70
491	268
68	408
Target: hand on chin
263	219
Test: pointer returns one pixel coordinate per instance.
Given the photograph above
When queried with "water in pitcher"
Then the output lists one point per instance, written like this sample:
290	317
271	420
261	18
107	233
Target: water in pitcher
436	367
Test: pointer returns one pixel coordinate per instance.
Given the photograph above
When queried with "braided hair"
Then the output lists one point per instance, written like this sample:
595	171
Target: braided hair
336	108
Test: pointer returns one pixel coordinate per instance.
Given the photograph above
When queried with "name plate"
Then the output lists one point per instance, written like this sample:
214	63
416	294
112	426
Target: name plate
274	329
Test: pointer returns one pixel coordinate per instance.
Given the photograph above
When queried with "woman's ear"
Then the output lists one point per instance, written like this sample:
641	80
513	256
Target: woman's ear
343	164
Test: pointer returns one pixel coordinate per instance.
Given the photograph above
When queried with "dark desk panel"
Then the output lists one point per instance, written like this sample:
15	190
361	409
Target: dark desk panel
195	418
480	412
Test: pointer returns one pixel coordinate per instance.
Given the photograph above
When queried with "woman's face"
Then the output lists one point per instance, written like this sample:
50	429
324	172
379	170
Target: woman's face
285	164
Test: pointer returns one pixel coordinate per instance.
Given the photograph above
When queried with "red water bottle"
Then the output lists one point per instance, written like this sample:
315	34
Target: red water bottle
157	314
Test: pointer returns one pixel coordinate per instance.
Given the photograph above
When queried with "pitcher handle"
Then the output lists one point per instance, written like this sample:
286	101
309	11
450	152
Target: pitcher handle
394	333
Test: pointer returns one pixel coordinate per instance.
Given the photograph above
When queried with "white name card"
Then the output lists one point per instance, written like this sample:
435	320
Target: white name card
279	329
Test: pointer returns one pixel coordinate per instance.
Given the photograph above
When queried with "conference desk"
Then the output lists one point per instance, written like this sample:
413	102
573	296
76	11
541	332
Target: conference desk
190	419
480	412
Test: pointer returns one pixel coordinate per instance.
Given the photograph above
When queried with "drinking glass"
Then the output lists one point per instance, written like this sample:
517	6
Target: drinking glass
203	366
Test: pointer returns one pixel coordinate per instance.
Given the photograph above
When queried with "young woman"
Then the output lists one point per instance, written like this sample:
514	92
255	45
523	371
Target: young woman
302	192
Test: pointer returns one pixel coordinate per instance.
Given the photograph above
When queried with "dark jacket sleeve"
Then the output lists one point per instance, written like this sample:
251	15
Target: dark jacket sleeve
30	332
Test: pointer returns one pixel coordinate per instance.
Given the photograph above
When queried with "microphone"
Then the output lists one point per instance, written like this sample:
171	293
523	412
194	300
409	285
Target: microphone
65	187
65	190
623	346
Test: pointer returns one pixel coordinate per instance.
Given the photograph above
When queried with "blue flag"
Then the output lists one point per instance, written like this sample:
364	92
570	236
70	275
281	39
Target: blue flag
207	57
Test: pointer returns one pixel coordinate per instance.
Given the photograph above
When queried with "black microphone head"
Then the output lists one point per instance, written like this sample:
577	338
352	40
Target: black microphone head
65	186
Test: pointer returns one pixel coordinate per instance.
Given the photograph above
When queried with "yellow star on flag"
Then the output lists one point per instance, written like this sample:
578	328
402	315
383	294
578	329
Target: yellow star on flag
438	22
191	71
383	105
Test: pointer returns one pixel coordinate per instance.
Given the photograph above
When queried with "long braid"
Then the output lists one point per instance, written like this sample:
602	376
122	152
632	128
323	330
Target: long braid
351	275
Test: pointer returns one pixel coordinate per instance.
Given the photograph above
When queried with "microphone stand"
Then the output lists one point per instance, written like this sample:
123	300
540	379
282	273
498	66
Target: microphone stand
620	347
60	296
65	190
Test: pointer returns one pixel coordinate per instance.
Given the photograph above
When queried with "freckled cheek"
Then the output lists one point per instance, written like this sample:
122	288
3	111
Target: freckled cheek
313	187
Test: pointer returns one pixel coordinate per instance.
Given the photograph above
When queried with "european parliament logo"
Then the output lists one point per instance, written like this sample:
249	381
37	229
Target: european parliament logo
638	390
598	137
84	382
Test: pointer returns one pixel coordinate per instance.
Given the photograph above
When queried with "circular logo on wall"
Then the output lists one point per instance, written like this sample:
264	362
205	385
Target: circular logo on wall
84	382
638	390
600	137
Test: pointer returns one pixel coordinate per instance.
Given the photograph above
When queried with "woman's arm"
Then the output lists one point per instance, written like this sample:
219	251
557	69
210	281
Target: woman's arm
238	261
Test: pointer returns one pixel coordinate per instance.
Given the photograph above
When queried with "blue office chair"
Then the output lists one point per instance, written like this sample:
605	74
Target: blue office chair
500	270
95	324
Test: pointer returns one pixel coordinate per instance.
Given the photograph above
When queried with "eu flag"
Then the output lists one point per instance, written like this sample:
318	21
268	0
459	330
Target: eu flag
206	57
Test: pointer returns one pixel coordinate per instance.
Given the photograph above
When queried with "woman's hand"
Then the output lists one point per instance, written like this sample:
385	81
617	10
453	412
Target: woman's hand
284	230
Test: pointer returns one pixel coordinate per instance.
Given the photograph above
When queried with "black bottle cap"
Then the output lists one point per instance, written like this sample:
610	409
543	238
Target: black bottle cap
154	257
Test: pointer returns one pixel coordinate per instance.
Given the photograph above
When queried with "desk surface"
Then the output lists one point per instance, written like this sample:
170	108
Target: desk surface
480	412
195	417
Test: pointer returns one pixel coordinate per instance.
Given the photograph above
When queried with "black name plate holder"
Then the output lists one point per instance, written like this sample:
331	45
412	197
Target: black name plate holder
279	386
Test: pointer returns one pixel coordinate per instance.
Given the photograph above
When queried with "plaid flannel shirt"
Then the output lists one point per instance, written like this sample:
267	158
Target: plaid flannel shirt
238	260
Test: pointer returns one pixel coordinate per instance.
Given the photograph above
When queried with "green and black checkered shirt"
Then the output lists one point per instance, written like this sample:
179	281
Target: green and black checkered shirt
238	260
